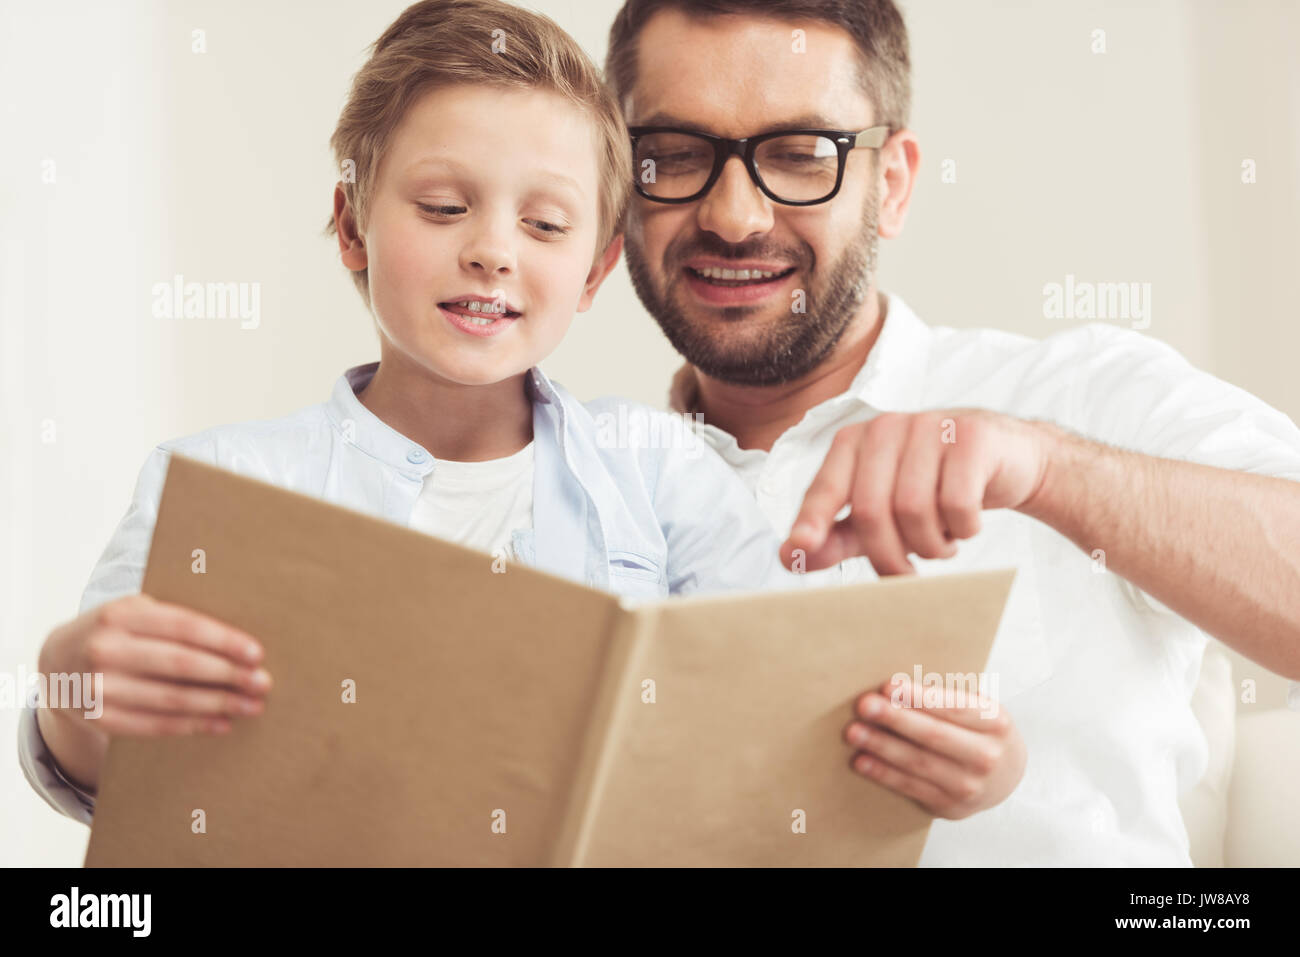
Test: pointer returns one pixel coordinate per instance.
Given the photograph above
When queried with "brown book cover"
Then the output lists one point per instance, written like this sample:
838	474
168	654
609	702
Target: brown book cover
429	709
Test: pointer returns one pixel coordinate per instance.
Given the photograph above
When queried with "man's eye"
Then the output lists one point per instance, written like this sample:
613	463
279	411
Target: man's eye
441	210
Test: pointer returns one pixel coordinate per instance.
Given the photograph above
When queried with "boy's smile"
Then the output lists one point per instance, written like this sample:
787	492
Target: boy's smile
480	315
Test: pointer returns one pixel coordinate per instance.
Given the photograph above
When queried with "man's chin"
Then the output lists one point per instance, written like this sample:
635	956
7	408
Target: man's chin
762	348
698	315
739	360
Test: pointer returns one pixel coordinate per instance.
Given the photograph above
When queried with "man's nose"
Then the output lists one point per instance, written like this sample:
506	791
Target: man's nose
735	209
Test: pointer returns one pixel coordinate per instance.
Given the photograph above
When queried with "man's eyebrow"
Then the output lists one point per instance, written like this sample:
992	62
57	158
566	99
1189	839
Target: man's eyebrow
808	121
551	177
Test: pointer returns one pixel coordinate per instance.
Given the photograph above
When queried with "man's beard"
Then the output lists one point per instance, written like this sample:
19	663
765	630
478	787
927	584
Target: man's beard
787	348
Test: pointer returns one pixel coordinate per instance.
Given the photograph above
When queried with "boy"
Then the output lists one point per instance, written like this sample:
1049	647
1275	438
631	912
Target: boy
492	170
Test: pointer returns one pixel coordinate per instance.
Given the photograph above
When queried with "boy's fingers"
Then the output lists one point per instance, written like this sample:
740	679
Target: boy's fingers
948	775
160	658
969	710
930	731
924	793
148	616
127	721
146	694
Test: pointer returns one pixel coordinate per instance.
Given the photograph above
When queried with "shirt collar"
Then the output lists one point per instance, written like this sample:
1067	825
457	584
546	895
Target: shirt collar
893	377
891	380
378	439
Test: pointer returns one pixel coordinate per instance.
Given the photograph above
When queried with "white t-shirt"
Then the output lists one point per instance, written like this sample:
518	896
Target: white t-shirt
479	504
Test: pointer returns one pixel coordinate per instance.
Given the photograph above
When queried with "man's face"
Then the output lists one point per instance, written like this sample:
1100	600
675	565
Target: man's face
489	194
737	76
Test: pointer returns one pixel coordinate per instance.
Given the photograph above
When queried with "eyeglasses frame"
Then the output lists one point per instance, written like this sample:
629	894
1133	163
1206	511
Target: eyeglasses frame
724	148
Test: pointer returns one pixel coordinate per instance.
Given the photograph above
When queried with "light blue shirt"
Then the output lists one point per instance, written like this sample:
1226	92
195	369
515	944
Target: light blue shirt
625	498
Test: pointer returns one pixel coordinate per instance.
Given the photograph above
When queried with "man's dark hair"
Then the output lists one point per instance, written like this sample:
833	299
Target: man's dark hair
875	25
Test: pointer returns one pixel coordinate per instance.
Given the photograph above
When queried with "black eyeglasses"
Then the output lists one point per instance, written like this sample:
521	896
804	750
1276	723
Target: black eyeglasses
792	167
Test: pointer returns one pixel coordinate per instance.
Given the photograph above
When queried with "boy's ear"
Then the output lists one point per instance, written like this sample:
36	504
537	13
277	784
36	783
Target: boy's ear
602	268
352	248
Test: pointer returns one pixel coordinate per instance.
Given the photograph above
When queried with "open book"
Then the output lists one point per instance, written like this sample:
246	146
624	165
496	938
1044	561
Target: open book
431	710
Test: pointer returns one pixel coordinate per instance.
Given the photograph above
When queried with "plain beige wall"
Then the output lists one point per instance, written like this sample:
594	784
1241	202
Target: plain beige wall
1118	166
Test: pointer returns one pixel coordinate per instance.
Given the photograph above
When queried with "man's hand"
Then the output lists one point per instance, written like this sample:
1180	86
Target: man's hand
915	483
953	761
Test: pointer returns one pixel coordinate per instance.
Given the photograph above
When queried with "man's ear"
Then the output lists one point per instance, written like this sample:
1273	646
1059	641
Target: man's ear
602	268
899	160
352	248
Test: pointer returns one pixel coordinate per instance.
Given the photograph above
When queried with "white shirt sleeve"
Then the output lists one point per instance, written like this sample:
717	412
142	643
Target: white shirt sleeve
120	569
718	537
1140	394
44	774
119	572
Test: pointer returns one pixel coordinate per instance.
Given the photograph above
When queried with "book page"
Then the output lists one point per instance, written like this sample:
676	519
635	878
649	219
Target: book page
426	710
739	758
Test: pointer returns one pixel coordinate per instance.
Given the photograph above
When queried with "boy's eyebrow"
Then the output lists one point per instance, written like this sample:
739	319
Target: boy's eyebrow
808	121
562	180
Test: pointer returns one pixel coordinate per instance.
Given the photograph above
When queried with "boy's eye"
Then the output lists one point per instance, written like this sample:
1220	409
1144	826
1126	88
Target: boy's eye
546	227
441	210
540	224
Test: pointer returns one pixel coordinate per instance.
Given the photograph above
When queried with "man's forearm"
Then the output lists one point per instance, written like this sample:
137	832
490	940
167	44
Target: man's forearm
1221	548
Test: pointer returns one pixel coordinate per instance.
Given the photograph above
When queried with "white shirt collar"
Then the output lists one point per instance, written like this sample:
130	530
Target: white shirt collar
377	438
892	378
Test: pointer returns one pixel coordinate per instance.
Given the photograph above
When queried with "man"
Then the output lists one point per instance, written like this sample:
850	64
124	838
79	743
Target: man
772	151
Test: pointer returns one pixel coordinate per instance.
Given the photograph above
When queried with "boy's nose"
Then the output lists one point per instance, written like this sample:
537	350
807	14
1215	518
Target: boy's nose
488	252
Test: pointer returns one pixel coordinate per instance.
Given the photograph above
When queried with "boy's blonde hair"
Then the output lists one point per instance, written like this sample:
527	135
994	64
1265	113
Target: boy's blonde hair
437	43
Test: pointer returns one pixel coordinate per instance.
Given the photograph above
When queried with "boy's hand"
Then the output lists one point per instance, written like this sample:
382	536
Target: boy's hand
952	761
166	669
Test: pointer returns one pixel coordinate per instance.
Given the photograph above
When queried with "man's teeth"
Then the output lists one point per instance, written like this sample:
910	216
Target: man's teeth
735	274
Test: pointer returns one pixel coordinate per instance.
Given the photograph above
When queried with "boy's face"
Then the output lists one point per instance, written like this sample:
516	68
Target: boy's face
483	195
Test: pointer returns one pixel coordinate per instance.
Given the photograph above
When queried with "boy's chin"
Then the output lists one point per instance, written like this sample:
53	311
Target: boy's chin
476	371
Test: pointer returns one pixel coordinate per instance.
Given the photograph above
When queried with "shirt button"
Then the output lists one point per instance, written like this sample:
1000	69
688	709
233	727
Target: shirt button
416	456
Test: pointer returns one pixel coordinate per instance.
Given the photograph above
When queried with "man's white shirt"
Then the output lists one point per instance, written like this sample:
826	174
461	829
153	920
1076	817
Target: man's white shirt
1096	674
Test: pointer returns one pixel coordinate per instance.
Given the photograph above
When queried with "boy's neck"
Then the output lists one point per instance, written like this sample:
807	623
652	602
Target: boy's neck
459	423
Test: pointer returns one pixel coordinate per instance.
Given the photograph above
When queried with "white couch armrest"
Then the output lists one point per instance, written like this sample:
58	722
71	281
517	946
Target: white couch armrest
1263	826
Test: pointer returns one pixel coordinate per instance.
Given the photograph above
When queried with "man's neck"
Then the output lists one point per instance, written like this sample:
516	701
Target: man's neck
459	423
758	415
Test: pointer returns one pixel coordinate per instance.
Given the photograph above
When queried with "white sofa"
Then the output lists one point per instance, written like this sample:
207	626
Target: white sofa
1243	813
